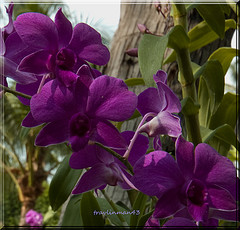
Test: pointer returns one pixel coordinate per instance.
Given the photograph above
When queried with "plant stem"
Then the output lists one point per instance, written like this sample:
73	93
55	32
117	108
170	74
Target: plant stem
16	93
114	208
119	157
186	76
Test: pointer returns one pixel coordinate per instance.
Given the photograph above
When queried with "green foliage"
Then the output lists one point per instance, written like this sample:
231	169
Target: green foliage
151	52
89	205
62	183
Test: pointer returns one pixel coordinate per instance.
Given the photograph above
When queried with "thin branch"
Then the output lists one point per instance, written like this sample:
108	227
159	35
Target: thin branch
16	93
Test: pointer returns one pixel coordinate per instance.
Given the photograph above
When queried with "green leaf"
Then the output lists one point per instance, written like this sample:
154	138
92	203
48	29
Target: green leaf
220	138
134	81
105	206
150	54
227	112
139	205
62	183
175	35
72	214
213	75
189	107
200	36
224	55
226	9
144	219
89	209
214	16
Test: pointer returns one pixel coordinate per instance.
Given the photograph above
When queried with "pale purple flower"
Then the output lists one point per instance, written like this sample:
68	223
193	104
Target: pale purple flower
80	113
106	169
60	49
161	102
200	184
34	218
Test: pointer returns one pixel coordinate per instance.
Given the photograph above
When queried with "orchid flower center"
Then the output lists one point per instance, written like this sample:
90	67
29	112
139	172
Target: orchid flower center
79	125
196	193
65	59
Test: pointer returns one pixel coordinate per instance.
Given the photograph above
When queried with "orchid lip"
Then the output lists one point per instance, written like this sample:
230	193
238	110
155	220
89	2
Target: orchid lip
65	59
196	192
79	125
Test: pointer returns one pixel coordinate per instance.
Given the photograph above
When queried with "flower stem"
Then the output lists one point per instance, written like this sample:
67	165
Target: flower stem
114	207
186	76
16	93
119	157
126	154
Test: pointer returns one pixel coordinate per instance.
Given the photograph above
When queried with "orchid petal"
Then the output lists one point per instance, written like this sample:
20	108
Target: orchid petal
53	133
87	44
199	213
35	63
185	156
29	121
213	168
179	221
164	123
10	70
37	30
110	99
223	214
163	171
150	101
64	28
85	158
160	76
221	199
168	204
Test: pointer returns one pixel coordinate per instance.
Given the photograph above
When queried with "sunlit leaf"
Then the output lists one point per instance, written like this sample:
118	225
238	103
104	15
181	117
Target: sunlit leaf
150	54
134	81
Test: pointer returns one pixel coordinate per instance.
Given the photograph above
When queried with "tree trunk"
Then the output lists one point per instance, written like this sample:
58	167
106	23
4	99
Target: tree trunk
128	35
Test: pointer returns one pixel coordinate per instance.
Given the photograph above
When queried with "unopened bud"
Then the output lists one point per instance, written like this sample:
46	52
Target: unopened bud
133	52
143	29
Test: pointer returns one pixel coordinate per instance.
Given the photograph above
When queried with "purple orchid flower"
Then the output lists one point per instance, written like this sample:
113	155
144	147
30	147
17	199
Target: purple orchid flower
80	113
33	218
106	169
60	49
8	64
160	103
203	184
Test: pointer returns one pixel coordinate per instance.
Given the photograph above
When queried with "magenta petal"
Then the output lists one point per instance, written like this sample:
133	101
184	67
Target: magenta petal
35	63
150	101
110	99
29	121
97	176
152	222
37	30
185	156
225	215
198	213
53	133
160	76
168	204
221	199
85	158
87	44
215	169
67	77
107	134
85	75
163	171
9	69
179	222
164	123
64	28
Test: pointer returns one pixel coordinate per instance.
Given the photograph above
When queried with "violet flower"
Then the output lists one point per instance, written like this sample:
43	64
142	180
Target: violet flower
78	114
33	218
202	185
8	63
61	50
106	169
160	103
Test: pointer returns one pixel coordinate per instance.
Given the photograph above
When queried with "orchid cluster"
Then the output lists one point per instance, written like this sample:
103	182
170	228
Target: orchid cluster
34	218
76	104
